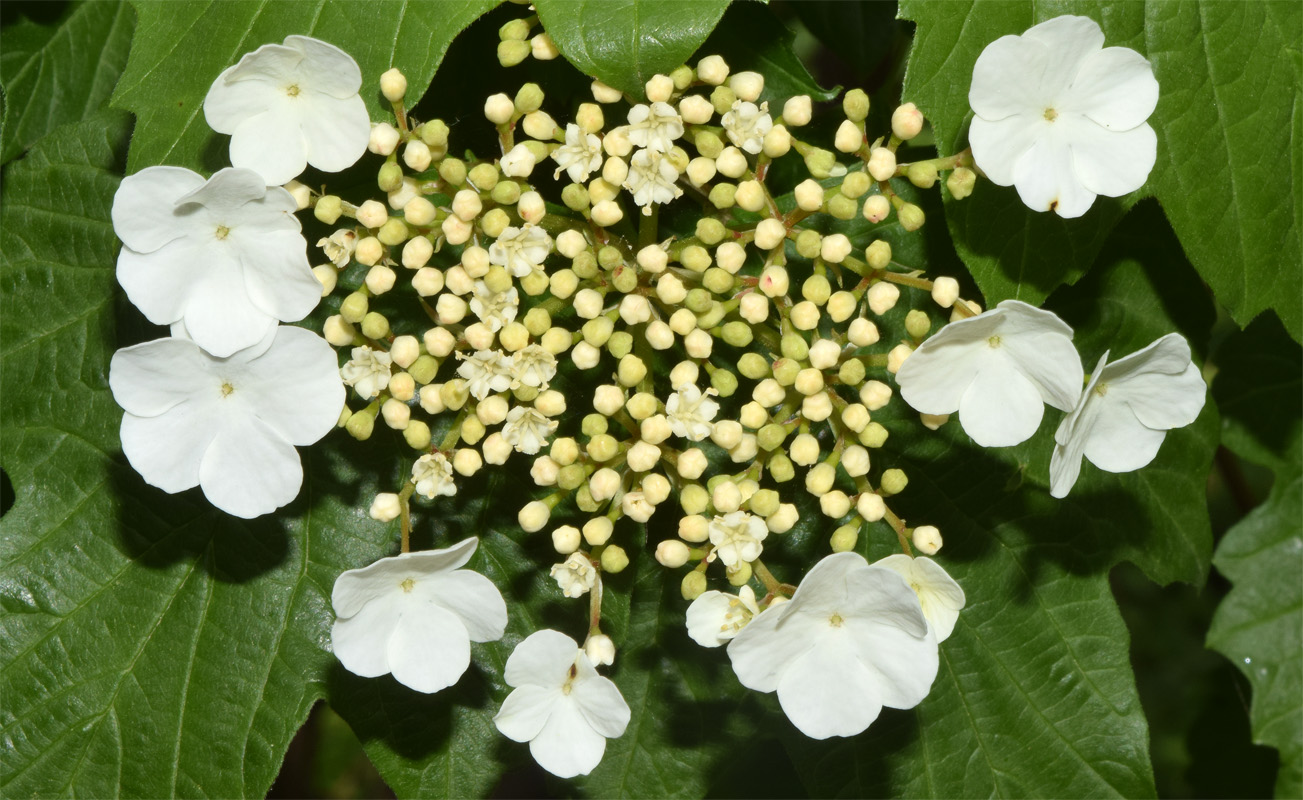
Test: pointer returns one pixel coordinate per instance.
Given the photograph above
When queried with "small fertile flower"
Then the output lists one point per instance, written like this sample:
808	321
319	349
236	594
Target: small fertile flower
746	125
560	705
227	425
714	618
1061	117
851	640
494	309
938	594
486	372
534	365
224	255
690	412
1127	409
432	475
415	615
339	246
654	127
527	429
997	370
580	156
367	371
576	575
521	250
289	105
651	179
737	537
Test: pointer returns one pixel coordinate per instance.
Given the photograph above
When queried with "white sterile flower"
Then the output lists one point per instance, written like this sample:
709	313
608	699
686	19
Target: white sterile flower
654	127
651	179
939	595
1127	408
415	615
716	617
1061	117
534	366
494	309
367	371
576	575
580	156
851	640
339	246
432	474
997	370
289	105
527	429
690	412
486	372
737	537
746	125
228	425
521	250
224	255
560	705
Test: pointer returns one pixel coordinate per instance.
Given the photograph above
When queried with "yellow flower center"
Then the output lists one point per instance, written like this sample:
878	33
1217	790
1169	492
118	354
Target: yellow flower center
292	90
227	389
1051	115
408	584
222	232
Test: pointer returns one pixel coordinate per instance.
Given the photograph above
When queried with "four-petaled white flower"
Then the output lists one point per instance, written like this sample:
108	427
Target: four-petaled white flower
1127	408
654	127
576	575
415	615
852	640
367	371
938	594
651	179
690	412
228	425
339	246
997	370
432	474
714	618
737	537
534	366
580	156
560	705
1061	117
289	105
486	372
746	125
527	429
225	255
521	250
494	309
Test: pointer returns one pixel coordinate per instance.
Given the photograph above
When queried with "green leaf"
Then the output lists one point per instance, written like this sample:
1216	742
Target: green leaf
53	74
182	47
625	42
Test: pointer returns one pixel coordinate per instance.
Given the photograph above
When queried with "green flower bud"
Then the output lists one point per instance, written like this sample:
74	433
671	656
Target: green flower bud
575	197
771	437
917	323
739	575
820	162
816	289
893	482
737	333
625	279
694	498
529	98
584	500
454	394
695	258
417	434
375	326
423	369
842	207
786	369
698	301
961	182
453	170
434	133
593	425
723	195
360	425
844	538
923	174
693	586
506	193
571	477
878	254
781	468
535	283
483	176
495	222
614	559
597	330
682	77
910	216
525	394
609	257
724	382
722	99
584	265
710	230
764	502
809	243
712	317
393	232
516	29
851	372
512	52
620	344
718	280
602	447
873	435
708	143
390	178
856	185
855	104
793	347
753	366
631	371
354	307
537	321
328	208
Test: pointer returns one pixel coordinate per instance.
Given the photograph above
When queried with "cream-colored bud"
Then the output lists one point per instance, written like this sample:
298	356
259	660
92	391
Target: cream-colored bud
933	421
456	230
819	479
769	393
416	254
727	433
393	85
497	450
605	94
327	276
659	335
870	506
384	139
882	164
804	450
835	248
439	342
466	204
774	281
655	429
492	409
479	336
770	234
699	343
730	256
927	539
894	481
691	463
518	162
694	528
849	138
753	415
338	331
372	214
417	155
607	213
782	520
396	413
408	190
544	470
534	516
604	483
907	121
875	395
961	305
672	553
302	195
570	243
631	370
404	351
841	305
419	211
856	416
731	162
817	407
777	142
862	332
684	373
543	48
659	88
809	195
750	196
369	251
642	457
896	358
882	297
747	85
876	208
585	356
499	108
597	531
615	170
588	303
835	504
565	540
754	308
539	125
805	316
917	323
380	279
513	337
855	460
945	291
797	111
809	381
431	399
635	309
824	354
450	309
385	507
696	110
712	70
726	498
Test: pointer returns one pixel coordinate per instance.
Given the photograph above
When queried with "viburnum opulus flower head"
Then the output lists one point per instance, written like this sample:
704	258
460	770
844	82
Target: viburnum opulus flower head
414	615
228	425
289	105
223	255
1127	409
1061	117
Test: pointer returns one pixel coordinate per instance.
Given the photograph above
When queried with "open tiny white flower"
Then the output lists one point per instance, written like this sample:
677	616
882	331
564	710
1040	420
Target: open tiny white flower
521	250
527	429
576	575
560	705
339	246
651	179
690	412
414	615
494	309
714	618
289	105
737	537
938	594
228	425
486	372
997	369
851	640
580	156
367	371
224	255
654	127
432	474
1121	419
1061	117
746	125
534	365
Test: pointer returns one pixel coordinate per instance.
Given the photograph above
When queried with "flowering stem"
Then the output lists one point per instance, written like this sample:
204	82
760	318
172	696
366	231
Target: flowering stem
766	577
898	525
595	606
647	227
405	514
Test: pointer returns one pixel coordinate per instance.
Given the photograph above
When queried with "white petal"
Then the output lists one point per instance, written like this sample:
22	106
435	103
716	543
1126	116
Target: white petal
884	598
1065	466
706	615
905	665
567	746
935	376
1160	383
544	658
1070	437
219	315
1069	41
167	449
525	711
142	206
249	470
294	386
1116	441
1115	87
160	283
271	144
356	587
829	692
825	588
474	599
602	705
236	96
228	189
1005	79
1048	359
1112	163
429	649
328	69
361	641
942	597
336	132
998	146
1047	181
1001	407
149	378
761	652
